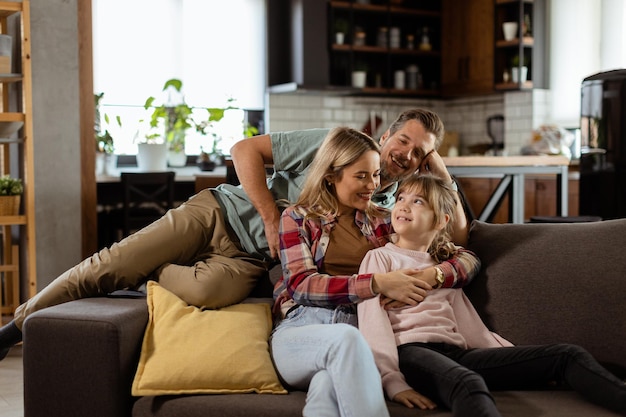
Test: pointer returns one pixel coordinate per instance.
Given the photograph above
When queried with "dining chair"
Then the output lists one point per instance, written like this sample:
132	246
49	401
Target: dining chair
147	197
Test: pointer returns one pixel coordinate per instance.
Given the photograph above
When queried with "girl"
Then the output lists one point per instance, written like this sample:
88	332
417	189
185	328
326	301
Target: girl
443	348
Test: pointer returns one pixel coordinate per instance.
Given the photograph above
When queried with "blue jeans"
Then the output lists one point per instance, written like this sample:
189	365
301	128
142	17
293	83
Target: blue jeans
461	379
320	351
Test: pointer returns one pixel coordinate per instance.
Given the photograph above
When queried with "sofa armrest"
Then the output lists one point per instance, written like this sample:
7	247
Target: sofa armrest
80	357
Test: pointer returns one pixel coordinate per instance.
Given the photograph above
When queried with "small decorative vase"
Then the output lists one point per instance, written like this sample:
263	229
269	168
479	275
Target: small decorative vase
206	165
176	158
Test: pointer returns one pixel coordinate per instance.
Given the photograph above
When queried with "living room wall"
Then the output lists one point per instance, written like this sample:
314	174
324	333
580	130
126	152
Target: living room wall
56	136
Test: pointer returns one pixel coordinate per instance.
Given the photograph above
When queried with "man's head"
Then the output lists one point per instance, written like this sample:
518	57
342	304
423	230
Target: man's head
409	139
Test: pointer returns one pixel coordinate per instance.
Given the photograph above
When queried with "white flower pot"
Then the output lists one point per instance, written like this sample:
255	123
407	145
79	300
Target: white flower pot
106	163
340	38
100	163
509	30
152	157
359	79
519	76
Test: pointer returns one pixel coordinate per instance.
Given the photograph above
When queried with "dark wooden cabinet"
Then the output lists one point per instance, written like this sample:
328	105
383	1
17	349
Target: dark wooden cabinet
541	197
396	42
296	44
519	60
466	53
467	47
382	37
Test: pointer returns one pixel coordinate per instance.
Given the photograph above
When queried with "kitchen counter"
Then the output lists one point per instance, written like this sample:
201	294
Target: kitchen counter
506	161
183	174
511	170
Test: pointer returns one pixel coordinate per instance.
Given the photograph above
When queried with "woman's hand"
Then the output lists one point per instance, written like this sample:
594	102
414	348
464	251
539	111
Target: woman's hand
404	286
411	398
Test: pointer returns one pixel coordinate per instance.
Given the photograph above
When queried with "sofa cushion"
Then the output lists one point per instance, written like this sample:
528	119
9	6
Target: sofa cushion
551	283
187	350
510	403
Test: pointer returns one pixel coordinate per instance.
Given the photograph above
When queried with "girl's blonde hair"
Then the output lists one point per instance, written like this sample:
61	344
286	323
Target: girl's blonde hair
341	147
442	199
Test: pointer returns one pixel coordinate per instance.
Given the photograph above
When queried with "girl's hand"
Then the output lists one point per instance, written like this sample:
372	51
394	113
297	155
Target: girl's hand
411	398
390	303
403	286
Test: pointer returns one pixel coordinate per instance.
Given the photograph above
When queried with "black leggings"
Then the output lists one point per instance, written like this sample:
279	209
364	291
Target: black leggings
461	379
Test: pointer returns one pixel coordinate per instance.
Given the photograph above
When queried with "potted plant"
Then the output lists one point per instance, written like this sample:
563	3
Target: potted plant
11	190
341	28
359	75
519	73
175	119
209	159
106	160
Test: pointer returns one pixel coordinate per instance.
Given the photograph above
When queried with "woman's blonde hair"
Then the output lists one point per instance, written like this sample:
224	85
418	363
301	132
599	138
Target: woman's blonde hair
442	199
341	147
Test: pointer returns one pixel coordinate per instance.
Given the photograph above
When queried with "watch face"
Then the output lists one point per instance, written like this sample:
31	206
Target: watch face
439	277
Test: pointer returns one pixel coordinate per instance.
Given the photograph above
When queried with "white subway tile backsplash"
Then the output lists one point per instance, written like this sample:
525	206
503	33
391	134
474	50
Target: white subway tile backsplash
327	114
523	112
332	102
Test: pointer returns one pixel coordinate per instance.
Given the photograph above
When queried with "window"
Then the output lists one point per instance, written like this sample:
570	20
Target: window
587	37
216	48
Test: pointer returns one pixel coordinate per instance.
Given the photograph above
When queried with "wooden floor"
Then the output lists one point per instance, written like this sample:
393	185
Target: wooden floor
12	384
11	381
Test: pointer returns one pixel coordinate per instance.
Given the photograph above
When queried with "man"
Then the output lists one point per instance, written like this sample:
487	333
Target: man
407	146
211	250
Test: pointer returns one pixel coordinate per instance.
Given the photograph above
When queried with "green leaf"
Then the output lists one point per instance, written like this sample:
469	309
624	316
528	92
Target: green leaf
174	82
149	102
216	114
10	186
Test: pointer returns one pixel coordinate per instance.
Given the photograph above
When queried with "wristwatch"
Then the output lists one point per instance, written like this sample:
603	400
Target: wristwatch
440	278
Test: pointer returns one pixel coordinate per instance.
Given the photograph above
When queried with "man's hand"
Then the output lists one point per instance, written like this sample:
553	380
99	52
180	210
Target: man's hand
271	234
411	398
434	164
249	158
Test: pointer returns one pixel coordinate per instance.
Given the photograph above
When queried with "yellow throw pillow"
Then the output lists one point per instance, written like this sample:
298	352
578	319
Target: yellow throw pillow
187	350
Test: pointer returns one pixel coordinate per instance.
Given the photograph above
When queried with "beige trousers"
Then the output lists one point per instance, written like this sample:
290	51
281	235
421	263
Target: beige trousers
188	251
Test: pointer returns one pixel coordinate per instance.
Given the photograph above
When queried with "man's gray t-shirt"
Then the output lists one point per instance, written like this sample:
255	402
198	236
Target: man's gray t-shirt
293	152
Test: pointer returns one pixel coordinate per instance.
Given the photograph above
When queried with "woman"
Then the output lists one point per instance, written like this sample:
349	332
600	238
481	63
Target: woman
443	348
323	238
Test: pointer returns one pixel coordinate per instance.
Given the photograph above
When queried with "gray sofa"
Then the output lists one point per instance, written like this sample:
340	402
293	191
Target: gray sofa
540	283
